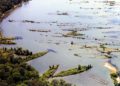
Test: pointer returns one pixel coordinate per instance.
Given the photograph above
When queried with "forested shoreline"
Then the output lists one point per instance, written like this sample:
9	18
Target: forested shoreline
14	70
6	5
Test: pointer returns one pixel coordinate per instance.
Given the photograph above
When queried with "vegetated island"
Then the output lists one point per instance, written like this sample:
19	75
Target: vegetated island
7	40
106	51
52	69
73	71
72	34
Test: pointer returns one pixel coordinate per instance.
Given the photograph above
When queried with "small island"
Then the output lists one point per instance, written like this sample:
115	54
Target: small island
73	71
6	40
72	34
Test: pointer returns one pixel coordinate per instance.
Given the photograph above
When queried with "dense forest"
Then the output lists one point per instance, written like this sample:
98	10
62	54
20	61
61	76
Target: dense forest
6	5
14	71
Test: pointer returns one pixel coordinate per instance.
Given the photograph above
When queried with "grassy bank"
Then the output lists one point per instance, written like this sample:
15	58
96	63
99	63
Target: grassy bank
34	56
49	73
73	71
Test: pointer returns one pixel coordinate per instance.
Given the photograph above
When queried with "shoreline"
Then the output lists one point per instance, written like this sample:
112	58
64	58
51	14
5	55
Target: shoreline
6	14
113	70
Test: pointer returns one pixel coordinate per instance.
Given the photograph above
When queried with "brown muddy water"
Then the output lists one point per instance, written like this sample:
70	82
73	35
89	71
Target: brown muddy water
97	20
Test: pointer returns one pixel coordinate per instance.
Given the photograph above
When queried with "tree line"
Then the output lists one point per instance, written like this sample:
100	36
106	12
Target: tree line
6	5
16	72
